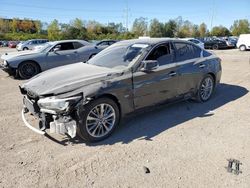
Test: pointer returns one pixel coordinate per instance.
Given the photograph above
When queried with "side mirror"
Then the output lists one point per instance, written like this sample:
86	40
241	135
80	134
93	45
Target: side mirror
57	48
149	65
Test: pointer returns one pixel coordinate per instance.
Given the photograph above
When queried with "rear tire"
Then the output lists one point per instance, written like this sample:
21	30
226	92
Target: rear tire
206	89
243	48
25	48
215	47
28	69
99	119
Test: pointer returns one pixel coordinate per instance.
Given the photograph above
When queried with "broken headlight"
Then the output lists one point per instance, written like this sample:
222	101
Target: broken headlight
53	104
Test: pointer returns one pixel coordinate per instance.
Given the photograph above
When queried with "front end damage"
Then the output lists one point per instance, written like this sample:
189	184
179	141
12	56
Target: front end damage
5	66
56	114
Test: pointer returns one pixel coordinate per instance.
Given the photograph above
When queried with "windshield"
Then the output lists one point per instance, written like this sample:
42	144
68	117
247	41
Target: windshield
118	56
43	47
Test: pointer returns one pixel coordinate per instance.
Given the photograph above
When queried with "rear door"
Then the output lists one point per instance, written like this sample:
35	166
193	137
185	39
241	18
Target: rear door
160	84
67	54
189	69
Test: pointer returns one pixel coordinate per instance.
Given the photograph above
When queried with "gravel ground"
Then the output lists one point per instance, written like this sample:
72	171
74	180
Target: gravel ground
183	145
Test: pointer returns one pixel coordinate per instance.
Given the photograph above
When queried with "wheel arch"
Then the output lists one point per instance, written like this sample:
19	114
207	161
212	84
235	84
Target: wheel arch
30	61
213	75
112	97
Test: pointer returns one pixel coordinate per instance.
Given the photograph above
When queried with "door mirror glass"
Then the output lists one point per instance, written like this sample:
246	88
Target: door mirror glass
57	48
149	65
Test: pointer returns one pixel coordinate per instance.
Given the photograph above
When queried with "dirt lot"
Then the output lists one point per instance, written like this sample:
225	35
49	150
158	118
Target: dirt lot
184	145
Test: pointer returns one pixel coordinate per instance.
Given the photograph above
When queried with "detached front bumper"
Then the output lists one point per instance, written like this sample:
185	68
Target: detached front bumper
60	124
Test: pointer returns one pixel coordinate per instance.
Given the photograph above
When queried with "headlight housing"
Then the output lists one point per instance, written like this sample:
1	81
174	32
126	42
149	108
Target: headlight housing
5	63
53	104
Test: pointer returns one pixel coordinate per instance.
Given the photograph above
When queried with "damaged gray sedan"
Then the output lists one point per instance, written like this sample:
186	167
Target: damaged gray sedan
89	99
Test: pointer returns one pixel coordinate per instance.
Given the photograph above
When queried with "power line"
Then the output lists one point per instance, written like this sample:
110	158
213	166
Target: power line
56	8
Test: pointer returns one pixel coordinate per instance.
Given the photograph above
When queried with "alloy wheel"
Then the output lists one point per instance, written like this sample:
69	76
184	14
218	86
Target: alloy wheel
100	120
206	88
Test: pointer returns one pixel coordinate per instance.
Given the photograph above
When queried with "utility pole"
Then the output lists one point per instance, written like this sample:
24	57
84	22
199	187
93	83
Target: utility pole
126	15
212	17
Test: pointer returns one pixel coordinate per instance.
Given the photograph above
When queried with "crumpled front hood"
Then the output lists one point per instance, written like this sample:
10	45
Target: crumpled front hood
10	55
67	78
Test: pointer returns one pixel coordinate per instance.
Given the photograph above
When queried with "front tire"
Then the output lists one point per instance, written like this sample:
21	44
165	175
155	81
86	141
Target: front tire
25	48
28	69
99	120
206	89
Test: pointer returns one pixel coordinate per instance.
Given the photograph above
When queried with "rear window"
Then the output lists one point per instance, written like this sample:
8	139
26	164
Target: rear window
77	45
206	53
185	51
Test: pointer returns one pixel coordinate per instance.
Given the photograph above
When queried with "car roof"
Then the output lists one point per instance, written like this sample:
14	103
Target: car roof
81	41
150	41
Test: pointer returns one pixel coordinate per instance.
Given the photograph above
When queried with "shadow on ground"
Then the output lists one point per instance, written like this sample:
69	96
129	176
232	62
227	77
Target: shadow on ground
149	123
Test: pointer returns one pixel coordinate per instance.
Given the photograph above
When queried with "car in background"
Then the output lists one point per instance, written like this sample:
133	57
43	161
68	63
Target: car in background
215	43
105	43
231	42
12	44
89	99
26	64
5	43
30	44
195	41
244	42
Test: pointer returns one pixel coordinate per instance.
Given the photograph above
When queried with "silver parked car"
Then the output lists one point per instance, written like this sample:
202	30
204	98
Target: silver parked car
30	44
195	41
26	64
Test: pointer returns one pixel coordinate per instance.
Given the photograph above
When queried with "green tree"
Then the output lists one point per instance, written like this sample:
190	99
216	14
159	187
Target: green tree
185	29
15	25
38	26
140	26
156	28
240	27
5	26
170	28
77	23
220	31
195	31
54	30
203	30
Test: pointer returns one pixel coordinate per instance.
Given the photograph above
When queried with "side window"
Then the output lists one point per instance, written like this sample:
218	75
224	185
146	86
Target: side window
77	45
104	43
194	41
186	51
111	42
66	46
197	52
162	53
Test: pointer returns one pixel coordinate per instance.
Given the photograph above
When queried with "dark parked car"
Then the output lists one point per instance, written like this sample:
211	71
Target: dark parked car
89	99
5	43
215	44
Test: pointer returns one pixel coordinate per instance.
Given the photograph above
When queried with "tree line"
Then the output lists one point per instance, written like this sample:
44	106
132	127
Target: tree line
17	29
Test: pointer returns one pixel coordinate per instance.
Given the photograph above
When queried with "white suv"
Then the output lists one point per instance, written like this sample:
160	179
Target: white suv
244	42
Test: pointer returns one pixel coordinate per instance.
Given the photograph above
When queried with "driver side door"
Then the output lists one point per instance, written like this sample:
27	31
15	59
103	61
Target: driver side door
157	85
64	55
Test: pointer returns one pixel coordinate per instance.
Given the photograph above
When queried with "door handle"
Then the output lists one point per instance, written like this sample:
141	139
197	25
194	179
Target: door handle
172	73
202	66
75	52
